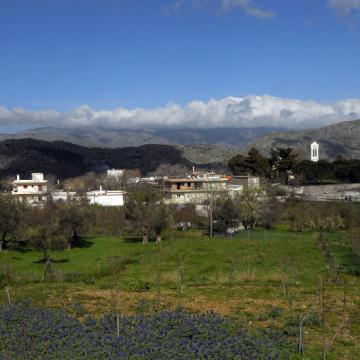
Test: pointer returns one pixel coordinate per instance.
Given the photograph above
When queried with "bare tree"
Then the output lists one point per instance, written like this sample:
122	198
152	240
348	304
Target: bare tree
170	170
271	212
249	208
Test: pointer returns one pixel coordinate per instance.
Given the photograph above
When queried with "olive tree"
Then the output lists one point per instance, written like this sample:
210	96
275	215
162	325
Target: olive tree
140	207
41	229
161	218
9	220
74	220
226	214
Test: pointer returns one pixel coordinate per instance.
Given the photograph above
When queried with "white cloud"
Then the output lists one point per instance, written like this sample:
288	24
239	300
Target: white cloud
345	7
248	7
173	7
248	111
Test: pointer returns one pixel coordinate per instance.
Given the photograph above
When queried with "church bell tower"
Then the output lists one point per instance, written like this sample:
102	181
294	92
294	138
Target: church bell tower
314	152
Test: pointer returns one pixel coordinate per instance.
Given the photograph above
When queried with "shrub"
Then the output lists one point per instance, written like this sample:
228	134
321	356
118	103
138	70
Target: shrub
271	313
136	285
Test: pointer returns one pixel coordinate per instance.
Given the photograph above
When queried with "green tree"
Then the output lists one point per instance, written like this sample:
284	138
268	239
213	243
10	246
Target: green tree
282	161
253	164
314	172
226	214
74	220
43	232
161	218
140	207
9	219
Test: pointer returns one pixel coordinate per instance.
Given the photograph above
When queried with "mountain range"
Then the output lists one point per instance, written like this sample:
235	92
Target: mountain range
340	139
24	153
116	138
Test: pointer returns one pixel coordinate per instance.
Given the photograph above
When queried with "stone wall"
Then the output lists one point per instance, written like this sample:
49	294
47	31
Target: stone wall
338	192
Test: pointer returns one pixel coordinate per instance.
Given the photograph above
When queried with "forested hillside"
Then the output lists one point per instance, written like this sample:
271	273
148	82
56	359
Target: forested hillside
65	160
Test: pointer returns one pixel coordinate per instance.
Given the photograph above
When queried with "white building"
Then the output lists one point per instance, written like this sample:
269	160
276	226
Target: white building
195	189
314	147
235	190
115	173
33	190
247	181
63	196
106	197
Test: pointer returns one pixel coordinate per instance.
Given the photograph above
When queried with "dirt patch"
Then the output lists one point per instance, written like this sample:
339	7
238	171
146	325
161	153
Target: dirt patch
92	299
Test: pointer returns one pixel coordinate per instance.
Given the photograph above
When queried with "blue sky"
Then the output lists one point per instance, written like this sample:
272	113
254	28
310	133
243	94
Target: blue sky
61	54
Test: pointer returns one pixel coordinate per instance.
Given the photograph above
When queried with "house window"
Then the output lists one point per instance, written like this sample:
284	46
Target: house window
40	187
189	184
178	186
25	186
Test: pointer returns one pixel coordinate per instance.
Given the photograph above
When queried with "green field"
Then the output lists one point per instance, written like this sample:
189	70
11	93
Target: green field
252	278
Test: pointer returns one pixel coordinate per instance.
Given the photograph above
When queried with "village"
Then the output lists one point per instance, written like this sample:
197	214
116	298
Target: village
195	188
179	180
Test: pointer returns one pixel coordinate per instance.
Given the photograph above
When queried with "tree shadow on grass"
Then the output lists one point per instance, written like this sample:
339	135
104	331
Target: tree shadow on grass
21	250
54	261
19	246
133	239
82	242
139	239
351	263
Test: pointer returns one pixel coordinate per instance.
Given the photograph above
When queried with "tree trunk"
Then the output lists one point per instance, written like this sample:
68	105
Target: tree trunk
47	264
2	241
145	239
75	239
158	238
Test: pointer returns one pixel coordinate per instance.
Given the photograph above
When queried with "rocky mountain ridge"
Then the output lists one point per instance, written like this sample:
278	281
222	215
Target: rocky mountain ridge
117	138
340	139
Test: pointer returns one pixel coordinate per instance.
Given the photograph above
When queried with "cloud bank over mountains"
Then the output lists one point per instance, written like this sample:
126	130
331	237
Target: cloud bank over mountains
248	111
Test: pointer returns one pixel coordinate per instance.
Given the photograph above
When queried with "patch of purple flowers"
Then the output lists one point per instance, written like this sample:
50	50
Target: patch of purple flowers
27	332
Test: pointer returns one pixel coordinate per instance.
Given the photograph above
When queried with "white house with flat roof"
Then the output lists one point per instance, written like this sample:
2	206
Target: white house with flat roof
33	190
106	197
115	173
194	189
62	196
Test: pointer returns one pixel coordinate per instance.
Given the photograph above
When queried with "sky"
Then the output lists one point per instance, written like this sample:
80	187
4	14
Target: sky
197	63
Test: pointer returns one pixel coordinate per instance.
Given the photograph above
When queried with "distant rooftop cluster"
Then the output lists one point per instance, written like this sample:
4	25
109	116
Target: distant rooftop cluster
194	188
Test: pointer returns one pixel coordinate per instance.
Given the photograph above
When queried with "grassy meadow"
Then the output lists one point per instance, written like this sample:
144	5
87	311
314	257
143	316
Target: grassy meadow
259	278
